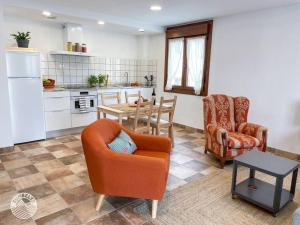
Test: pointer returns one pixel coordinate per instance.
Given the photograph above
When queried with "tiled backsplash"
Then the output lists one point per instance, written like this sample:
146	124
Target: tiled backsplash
74	70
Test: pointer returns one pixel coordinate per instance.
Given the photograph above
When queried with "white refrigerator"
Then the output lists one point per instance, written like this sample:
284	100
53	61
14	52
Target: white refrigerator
26	96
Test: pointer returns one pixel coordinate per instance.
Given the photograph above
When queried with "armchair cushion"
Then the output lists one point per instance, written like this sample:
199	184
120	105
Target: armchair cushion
239	140
123	144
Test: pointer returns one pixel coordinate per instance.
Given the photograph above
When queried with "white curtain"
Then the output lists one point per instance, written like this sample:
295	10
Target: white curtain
175	62
195	62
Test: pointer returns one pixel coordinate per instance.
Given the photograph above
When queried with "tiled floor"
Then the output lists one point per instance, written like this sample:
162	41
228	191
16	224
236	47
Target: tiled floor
54	171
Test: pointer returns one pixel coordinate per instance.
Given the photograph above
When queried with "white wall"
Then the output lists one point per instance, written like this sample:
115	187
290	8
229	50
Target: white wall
254	55
47	36
257	55
5	125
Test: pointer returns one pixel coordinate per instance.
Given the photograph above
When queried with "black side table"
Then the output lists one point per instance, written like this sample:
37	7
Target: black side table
268	196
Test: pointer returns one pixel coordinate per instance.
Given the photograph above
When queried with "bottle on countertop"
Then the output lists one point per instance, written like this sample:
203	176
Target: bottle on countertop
154	96
83	48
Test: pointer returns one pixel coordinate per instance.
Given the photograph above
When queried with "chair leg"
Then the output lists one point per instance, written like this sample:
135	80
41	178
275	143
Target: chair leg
171	135
100	202
222	163
154	208
205	150
157	131
153	129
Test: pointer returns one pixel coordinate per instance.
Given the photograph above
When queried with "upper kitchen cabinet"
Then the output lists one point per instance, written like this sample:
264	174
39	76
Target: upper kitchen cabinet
28	64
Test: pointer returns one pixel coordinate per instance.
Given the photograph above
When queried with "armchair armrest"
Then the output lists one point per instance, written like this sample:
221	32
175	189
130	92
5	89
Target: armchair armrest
150	142
218	134
253	130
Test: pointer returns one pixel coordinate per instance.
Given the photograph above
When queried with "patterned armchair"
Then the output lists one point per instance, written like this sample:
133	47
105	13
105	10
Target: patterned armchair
227	132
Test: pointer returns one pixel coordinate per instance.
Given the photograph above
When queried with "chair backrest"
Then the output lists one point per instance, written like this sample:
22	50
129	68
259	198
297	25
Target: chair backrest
167	106
143	109
105	96
134	95
225	111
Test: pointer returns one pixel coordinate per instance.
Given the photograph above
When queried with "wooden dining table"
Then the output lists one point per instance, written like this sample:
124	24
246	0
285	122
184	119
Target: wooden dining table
122	110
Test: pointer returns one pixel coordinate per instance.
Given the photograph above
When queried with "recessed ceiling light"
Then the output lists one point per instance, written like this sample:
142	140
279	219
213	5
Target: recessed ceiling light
156	7
46	13
100	22
141	30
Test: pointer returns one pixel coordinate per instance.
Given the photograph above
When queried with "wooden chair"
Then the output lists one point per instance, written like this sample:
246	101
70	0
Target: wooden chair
135	95
105	96
143	113
166	106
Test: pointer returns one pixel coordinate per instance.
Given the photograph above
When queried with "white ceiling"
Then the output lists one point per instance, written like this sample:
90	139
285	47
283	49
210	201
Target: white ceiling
135	14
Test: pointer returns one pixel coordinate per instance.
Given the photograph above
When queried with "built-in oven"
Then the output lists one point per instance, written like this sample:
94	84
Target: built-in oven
83	101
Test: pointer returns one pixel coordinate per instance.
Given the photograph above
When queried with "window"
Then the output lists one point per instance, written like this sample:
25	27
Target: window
187	58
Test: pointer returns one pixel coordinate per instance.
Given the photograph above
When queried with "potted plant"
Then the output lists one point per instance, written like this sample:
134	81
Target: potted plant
101	79
93	80
22	39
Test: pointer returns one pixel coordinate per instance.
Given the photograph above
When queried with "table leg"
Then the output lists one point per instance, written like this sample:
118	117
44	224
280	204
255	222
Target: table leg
234	174
120	120
252	173
98	114
293	183
277	195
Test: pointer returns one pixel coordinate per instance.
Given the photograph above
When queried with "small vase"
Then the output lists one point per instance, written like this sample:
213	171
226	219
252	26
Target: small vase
23	43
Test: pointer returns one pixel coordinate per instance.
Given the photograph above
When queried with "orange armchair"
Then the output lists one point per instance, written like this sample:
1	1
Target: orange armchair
227	132
142	174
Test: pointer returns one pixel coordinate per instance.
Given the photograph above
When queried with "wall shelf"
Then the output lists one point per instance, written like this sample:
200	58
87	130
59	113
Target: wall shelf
71	53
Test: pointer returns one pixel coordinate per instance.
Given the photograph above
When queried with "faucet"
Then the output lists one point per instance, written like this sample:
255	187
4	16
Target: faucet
127	78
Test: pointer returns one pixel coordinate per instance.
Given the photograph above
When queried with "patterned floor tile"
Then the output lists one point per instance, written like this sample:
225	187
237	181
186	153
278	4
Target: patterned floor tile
41	157
174	182
195	165
10	165
71	159
40	191
180	159
33	152
27	146
77	167
48	205
113	218
29	181
182	172
118	202
78	194
5	199
49	165
135	212
57	173
6	186
22	171
67	139
11	156
66	183
7	218
194	177
56	147
64	153
63	217
86	212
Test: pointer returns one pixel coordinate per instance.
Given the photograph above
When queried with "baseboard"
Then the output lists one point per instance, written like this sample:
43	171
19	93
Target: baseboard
59	133
289	155
6	149
188	128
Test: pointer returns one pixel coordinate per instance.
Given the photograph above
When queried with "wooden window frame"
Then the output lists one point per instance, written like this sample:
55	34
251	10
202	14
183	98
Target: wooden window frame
189	31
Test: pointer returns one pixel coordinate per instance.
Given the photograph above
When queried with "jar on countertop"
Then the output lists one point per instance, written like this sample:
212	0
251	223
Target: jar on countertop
83	48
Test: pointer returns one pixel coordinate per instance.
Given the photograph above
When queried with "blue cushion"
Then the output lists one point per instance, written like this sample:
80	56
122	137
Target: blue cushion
123	144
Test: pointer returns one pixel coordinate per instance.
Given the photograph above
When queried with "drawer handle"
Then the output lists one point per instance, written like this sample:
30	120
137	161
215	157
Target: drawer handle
62	110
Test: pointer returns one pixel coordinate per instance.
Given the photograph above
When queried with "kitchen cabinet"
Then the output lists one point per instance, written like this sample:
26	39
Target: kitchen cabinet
57	110
83	119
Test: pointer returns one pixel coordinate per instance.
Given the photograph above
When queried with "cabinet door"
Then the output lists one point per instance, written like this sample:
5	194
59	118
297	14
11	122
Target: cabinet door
83	119
57	103
147	92
58	120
